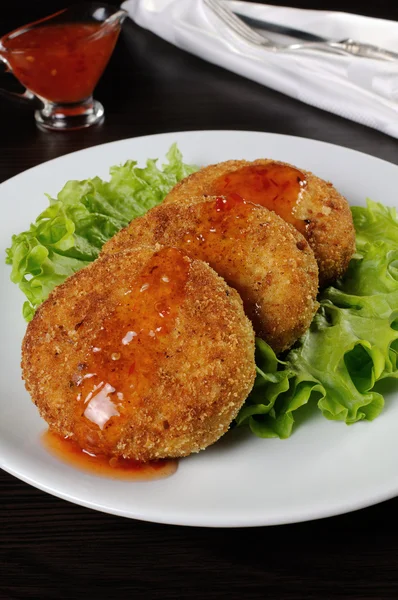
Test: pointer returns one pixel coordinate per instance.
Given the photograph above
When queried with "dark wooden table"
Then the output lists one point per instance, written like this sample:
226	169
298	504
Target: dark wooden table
52	549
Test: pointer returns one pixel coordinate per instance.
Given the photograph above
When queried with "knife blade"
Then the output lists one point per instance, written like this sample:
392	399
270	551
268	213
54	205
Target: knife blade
298	34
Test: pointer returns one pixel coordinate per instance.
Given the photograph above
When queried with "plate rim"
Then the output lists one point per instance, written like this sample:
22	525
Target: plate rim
325	513
190	131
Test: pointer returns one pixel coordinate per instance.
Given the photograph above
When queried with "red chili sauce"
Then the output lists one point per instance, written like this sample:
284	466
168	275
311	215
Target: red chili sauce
277	187
61	63
120	369
103	466
222	222
222	226
115	377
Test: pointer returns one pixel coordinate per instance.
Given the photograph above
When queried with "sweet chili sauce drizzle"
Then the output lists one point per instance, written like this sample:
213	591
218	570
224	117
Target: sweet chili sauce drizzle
60	63
222	222
275	186
121	367
104	466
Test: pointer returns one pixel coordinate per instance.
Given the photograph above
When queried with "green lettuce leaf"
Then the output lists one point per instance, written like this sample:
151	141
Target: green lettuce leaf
70	233
351	345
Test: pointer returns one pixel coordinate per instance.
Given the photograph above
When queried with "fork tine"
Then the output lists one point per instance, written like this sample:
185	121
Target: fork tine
236	24
232	20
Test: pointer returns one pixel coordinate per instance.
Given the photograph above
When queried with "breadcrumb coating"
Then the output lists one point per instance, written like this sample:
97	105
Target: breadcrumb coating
140	395
265	259
324	213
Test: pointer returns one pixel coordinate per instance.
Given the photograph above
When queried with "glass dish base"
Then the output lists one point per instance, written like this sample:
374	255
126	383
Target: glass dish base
67	117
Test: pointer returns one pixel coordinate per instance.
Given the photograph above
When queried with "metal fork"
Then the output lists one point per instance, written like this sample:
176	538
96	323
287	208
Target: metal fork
346	47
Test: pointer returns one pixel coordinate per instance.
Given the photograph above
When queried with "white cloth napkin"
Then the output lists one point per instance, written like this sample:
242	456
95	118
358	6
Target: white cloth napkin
361	89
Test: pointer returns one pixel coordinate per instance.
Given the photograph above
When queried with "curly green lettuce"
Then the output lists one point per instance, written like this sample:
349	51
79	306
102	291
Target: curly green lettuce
351	345
70	233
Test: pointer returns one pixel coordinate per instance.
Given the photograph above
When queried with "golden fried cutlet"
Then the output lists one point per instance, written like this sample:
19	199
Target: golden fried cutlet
265	259
312	205
143	354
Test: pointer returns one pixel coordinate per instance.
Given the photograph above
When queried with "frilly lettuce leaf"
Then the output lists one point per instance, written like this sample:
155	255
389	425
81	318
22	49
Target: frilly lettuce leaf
352	342
70	233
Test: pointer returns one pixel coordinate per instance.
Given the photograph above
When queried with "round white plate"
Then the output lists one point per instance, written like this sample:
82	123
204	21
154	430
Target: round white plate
324	469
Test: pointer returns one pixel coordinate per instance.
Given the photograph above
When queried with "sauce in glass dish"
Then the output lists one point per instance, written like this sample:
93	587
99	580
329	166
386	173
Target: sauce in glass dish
61	63
104	466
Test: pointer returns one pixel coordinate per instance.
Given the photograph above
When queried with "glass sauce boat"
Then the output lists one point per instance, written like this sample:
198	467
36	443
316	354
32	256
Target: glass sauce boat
59	61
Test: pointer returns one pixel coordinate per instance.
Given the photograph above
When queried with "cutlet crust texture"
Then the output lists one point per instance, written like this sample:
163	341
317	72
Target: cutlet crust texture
329	227
198	383
265	259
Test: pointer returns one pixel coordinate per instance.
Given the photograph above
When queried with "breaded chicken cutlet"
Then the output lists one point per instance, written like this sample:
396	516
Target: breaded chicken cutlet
313	206
143	354
266	260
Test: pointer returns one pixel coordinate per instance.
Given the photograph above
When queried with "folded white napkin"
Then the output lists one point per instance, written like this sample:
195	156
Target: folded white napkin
361	89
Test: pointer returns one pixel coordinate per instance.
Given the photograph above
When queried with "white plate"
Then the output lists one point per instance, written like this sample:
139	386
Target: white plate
324	469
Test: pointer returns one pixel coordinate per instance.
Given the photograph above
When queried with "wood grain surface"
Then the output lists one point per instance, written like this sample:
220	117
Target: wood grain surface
52	549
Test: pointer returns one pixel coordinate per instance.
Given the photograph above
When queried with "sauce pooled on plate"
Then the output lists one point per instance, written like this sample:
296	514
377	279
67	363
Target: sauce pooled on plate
104	466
